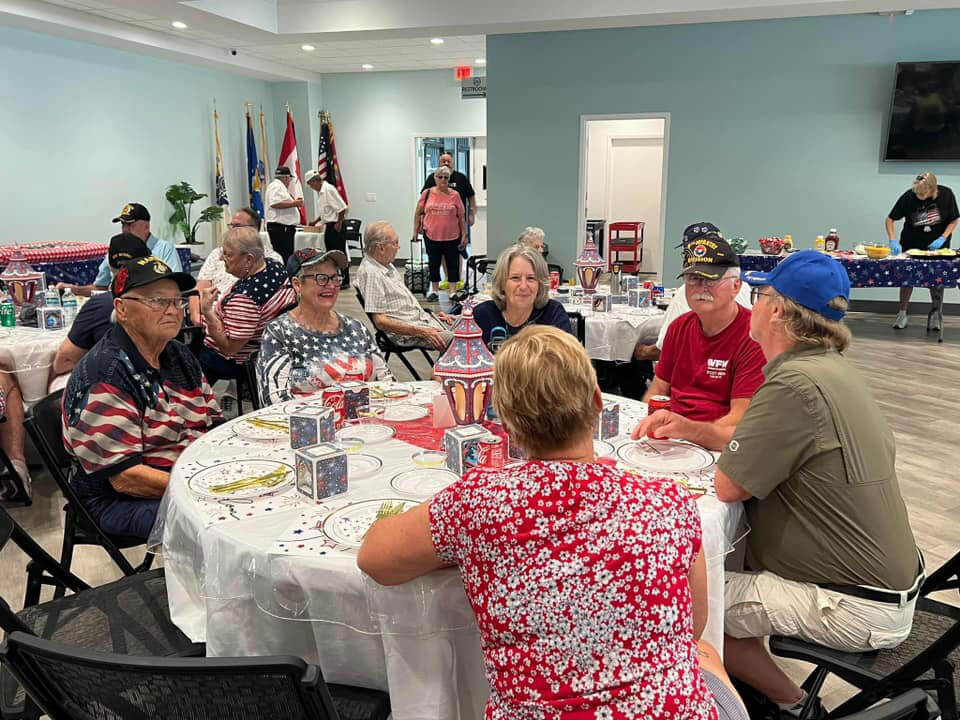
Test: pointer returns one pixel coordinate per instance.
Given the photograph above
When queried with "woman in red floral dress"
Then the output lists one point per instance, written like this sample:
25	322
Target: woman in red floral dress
588	583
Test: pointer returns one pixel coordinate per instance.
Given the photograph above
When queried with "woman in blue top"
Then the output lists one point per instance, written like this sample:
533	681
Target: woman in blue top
521	285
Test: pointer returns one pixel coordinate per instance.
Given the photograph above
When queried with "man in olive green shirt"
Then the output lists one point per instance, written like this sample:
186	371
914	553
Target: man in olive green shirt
831	555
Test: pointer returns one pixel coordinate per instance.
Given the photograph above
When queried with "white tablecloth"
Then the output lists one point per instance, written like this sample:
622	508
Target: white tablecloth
230	586
28	353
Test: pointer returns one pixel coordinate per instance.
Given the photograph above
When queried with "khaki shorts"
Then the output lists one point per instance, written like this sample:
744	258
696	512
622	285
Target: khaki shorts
762	604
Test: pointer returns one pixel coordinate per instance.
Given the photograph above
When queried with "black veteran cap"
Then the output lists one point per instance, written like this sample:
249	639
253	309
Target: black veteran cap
143	271
708	256
125	247
132	212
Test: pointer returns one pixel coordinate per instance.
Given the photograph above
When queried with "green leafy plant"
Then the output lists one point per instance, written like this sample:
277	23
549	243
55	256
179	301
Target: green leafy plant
182	197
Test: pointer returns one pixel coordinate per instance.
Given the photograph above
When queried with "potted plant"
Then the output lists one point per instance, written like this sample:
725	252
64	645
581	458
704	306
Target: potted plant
182	197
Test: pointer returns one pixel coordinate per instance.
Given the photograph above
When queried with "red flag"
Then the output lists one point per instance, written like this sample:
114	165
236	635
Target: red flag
327	164
288	158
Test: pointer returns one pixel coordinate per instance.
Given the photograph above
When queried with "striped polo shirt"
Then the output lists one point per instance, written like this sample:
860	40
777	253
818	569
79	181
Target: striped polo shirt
250	304
119	412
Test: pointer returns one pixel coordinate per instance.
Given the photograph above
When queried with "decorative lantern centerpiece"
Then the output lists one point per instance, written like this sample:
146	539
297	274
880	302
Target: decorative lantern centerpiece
466	371
22	282
589	266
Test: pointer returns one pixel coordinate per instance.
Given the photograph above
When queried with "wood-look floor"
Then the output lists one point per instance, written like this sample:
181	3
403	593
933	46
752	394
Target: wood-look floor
912	376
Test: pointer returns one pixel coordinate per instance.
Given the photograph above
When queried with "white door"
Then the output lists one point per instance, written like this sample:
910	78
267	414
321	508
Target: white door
634	191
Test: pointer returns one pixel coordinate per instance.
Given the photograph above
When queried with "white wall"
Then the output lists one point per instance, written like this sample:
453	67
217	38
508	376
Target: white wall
376	116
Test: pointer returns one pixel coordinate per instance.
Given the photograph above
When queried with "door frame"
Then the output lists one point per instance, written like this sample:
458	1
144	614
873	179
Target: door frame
582	182
419	135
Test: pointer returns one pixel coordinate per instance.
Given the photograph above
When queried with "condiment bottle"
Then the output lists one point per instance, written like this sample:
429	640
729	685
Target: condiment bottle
832	241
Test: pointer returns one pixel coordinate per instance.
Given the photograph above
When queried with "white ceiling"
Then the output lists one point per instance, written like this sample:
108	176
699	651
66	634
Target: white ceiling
389	34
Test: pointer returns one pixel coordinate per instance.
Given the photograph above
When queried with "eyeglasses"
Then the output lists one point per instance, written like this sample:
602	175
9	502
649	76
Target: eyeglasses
322	279
694	280
161	304
442	177
756	294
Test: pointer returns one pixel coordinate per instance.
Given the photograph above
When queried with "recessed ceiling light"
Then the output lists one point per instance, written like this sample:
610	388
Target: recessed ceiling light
480	61
307	48
179	25
436	41
367	66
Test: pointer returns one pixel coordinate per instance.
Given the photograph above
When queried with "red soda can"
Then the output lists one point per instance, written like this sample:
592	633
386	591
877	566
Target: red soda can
554	280
490	452
334	397
657	402
648	284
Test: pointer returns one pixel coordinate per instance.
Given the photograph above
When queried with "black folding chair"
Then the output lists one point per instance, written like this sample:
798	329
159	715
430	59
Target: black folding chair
130	615
474	262
389	347
44	426
10	478
247	384
352	236
911	705
71	684
926	659
580	326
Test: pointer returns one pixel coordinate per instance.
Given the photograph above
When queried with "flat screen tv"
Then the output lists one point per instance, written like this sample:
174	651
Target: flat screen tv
925	112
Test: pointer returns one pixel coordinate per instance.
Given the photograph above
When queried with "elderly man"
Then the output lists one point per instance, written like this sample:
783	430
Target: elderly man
709	367
135	401
282	212
94	319
134	219
830	550
332	210
533	237
234	323
388	299
460	183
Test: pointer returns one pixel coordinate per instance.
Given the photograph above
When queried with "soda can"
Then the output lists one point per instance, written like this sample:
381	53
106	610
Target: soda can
554	279
656	293
648	284
334	397
8	314
657	402
490	452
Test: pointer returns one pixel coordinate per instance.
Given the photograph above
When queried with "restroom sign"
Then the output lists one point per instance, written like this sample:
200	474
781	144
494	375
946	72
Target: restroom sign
474	87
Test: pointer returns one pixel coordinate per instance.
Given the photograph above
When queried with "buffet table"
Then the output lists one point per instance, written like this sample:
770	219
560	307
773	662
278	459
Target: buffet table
69	262
892	272
271	573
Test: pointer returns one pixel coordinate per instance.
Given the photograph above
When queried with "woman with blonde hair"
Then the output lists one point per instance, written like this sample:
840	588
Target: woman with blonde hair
521	284
929	213
588	583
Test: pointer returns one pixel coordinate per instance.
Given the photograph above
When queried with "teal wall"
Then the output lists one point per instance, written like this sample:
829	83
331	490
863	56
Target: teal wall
775	126
376	116
86	129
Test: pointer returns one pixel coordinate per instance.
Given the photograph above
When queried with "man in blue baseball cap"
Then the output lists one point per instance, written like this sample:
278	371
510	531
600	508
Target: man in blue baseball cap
830	555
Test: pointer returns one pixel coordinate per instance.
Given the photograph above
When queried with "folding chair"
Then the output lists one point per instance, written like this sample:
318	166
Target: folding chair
388	346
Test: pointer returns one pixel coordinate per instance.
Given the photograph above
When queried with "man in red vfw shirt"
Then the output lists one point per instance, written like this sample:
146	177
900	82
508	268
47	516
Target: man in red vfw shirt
709	367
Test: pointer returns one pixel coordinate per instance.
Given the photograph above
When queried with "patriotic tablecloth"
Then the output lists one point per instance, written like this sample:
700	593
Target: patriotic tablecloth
268	575
73	262
899	271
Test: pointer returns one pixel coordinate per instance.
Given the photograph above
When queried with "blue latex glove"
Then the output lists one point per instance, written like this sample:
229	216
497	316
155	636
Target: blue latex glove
895	248
938	243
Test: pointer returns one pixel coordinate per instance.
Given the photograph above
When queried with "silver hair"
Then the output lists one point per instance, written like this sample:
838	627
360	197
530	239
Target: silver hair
502	272
377	233
246	240
530	234
442	169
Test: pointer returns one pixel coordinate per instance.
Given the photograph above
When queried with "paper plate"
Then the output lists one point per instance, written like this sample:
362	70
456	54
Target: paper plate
248	428
390	391
404	412
665	456
370	433
602	448
349	524
423	483
360	466
204	483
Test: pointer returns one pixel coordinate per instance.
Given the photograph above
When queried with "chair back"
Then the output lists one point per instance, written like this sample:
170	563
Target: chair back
250	377
43	423
352	236
73	684
580	326
914	704
945	577
384	344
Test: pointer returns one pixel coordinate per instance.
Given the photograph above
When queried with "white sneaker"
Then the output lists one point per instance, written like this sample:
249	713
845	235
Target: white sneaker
901	321
935	323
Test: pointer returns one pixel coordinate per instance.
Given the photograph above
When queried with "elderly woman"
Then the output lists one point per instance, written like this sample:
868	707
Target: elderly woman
930	215
533	237
313	346
440	216
521	284
588	582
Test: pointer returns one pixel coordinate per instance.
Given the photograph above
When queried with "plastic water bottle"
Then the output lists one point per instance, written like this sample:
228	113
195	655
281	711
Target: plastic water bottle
70	307
8	311
52	297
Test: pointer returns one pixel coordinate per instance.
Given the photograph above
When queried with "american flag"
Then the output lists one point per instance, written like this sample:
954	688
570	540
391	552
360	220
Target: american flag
327	164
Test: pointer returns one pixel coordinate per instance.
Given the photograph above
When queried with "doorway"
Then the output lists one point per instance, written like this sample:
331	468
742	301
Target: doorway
623	167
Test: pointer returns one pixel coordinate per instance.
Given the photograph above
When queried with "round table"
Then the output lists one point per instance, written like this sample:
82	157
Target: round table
28	353
266	576
70	262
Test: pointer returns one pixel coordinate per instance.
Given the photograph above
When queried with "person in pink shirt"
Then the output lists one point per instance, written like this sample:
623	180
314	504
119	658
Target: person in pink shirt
441	218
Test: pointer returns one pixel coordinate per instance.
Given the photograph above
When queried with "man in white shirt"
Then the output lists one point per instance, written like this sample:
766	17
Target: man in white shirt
282	212
333	210
389	301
